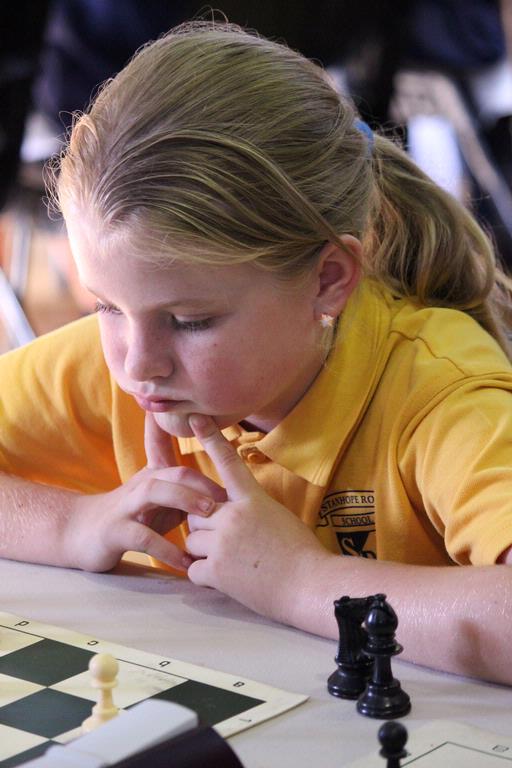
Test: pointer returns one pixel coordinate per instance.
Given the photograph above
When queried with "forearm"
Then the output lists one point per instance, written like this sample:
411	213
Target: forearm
34	520
450	618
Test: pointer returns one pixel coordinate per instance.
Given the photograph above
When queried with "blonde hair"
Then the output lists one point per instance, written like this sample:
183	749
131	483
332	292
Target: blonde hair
226	148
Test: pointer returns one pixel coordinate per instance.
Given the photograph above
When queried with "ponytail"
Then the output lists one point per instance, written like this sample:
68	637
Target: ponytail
424	245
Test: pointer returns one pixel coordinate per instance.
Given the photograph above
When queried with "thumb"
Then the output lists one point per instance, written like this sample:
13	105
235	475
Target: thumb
237	479
157	444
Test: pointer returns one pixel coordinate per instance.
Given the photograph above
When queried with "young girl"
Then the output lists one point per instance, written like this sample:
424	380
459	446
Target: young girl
267	267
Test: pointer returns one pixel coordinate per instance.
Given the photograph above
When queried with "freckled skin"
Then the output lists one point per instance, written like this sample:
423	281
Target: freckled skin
226	369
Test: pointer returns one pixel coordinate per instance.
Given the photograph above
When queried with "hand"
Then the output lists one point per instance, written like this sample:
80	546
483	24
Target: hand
252	548
138	514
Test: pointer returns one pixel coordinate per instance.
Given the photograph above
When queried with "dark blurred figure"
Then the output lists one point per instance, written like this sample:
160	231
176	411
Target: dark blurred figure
88	41
21	35
405	60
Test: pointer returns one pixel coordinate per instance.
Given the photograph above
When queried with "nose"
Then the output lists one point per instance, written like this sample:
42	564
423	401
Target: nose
148	355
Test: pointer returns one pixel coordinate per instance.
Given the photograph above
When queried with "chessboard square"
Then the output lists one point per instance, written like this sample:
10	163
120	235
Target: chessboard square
13	640
78	685
46	662
23	757
134	683
46	713
211	704
14	742
14	688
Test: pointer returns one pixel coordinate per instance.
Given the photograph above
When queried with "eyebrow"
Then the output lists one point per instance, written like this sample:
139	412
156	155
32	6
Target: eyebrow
189	302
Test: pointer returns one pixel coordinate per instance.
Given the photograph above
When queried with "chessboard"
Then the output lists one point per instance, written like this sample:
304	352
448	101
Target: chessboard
46	692
444	743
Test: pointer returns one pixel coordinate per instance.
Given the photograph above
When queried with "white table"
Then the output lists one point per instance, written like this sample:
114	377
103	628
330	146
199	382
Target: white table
155	612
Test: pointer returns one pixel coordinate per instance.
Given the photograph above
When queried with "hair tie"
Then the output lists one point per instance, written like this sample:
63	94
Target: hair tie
364	128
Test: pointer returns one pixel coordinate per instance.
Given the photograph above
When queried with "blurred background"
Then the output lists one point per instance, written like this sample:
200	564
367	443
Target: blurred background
437	74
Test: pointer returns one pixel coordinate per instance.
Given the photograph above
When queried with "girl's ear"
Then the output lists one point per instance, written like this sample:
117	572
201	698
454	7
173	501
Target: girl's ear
338	273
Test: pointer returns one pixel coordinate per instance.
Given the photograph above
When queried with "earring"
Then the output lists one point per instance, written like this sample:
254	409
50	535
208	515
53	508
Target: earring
326	321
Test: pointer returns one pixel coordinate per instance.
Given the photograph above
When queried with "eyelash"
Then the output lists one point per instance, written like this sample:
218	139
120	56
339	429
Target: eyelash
179	325
106	308
191	325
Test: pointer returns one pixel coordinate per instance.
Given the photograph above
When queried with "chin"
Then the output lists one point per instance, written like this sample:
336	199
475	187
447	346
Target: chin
174	424
178	426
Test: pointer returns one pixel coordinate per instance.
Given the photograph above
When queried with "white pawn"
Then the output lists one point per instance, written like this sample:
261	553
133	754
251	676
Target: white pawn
104	669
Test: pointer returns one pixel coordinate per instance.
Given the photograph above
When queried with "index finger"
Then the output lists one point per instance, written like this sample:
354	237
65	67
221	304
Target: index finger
157	444
232	470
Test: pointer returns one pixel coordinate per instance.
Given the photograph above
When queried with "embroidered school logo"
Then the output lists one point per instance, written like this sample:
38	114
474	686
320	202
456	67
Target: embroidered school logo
350	516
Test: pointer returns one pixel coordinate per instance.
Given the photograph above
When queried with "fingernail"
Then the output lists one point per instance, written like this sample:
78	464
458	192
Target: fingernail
198	421
205	505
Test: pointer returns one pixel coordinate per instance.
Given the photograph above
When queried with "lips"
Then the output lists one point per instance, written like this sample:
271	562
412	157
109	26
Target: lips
155	405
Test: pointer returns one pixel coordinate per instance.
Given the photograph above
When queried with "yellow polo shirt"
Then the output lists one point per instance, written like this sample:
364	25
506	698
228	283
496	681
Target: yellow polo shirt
401	449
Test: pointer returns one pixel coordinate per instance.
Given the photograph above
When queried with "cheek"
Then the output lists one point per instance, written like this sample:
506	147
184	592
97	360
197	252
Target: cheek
211	372
113	350
227	377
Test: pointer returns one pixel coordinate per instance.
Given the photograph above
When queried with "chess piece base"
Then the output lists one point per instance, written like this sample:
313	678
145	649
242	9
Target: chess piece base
384	702
349	683
95	720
